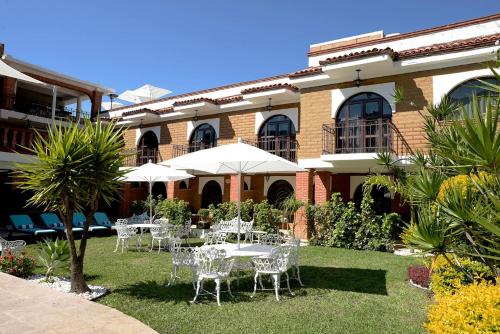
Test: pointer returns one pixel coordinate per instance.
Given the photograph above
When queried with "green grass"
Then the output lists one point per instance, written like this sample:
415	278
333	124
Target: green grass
345	291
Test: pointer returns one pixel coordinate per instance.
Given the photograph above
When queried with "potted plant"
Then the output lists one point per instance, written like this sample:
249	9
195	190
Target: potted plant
204	216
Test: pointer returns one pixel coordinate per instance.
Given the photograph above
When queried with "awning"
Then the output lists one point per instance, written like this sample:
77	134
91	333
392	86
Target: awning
7	71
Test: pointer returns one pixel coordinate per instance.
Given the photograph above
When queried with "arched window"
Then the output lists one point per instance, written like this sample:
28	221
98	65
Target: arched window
147	148
278	192
183	185
462	94
203	137
211	194
277	136
382	200
159	189
362	124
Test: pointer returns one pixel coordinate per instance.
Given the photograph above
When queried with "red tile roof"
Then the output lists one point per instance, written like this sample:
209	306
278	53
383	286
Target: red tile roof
455	46
306	72
193	101
165	110
268	88
138	111
229	99
357	55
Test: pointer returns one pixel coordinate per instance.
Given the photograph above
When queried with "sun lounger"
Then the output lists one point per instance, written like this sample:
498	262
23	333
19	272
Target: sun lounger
79	221
51	220
23	223
101	219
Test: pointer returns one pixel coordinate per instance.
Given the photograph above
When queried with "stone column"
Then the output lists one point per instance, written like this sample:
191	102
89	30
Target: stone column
233	190
96	100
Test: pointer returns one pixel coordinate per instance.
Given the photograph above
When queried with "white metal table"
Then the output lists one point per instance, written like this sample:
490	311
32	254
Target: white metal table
142	227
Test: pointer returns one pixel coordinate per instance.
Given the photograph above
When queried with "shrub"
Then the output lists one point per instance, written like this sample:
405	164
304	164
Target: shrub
54	255
472	309
446	279
419	275
267	218
229	210
20	265
176	210
204	214
138	207
464	184
344	231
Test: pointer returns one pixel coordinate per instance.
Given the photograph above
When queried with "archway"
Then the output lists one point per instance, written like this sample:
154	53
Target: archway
278	191
159	189
382	200
204	136
211	194
362	124
147	148
462	94
277	136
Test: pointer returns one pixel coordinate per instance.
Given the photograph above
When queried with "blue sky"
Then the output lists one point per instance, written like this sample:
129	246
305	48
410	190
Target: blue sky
190	45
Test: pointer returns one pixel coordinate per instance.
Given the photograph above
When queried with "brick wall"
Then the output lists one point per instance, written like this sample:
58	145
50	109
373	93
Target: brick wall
316	108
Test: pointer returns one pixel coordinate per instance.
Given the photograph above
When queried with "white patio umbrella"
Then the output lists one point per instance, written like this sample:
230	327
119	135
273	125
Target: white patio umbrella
143	94
107	105
152	173
236	158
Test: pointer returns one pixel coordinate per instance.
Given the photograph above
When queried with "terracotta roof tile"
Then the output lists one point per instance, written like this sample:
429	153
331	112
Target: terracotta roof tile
138	111
270	87
455	46
193	101
357	55
229	99
306	72
165	110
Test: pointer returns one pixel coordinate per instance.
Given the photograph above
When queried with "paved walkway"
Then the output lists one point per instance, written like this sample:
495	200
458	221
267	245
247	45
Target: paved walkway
26	307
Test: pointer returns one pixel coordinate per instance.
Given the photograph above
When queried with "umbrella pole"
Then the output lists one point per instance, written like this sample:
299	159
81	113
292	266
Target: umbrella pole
150	203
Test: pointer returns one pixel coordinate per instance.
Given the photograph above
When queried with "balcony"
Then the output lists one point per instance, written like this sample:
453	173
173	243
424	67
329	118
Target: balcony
284	147
15	139
142	156
364	136
179	149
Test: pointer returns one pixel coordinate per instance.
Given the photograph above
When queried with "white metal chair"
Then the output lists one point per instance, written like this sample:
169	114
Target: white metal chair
274	265
15	247
215	238
293	261
121	222
182	257
161	221
212	264
160	234
246	228
271	239
124	234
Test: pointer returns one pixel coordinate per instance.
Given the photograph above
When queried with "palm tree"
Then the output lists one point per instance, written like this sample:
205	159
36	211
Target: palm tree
72	169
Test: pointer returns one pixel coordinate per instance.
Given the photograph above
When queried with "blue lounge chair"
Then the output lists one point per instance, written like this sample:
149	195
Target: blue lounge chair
101	219
51	220
79	221
23	223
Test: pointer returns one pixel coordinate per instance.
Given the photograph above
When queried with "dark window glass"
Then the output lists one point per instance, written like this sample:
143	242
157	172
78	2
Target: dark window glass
462	94
204	135
277	126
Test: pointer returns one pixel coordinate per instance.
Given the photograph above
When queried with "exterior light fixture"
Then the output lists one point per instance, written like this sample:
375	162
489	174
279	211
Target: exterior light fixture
195	118
357	81
269	106
112	96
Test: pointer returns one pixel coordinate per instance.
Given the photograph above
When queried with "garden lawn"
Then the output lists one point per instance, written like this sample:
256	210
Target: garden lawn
346	291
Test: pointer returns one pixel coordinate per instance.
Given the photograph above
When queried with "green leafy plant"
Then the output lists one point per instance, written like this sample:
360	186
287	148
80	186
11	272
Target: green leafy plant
204	214
17	265
176	210
267	218
54	255
290	206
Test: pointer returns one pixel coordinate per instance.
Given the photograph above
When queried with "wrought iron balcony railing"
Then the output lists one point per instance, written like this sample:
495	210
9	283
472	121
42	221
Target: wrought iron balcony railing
180	149
285	147
142	156
364	136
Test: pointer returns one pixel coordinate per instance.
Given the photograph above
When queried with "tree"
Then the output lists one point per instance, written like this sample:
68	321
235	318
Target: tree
72	169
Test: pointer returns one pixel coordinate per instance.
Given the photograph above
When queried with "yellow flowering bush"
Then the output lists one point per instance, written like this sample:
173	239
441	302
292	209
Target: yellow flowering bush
464	183
445	279
473	308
